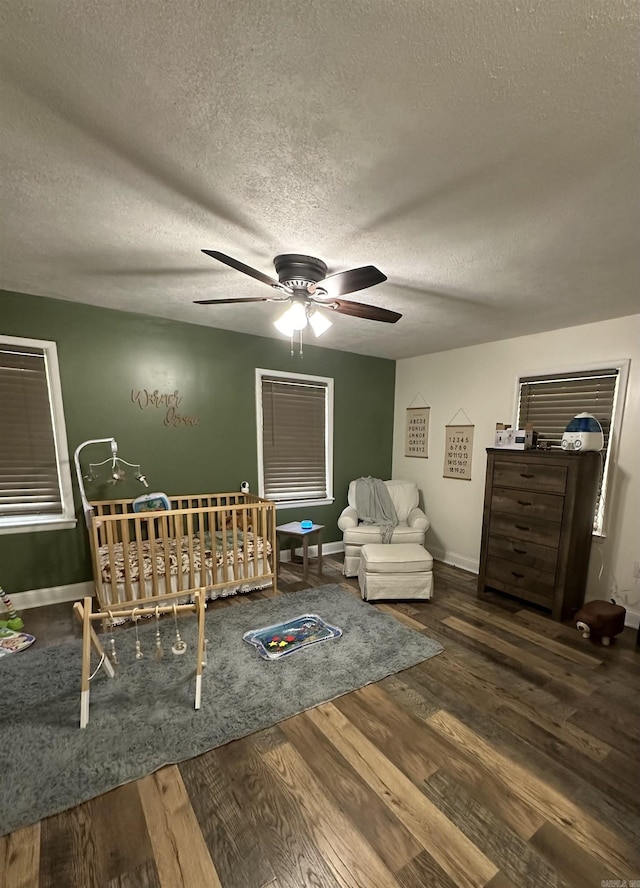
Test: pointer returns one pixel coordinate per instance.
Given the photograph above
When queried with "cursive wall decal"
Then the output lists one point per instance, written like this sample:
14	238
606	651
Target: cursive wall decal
169	401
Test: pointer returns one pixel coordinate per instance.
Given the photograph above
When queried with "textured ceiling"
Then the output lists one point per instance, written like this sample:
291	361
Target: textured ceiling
482	153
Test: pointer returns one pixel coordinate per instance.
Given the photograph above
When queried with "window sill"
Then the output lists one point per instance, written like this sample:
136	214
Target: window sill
302	504
29	525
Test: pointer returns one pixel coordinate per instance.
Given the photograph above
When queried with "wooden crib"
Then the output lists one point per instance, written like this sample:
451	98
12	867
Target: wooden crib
221	542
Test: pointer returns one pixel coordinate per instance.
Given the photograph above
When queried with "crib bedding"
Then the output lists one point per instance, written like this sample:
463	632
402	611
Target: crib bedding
154	556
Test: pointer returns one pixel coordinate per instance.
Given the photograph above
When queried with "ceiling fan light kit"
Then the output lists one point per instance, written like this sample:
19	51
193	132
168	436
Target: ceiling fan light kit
294	318
303	282
298	316
319	323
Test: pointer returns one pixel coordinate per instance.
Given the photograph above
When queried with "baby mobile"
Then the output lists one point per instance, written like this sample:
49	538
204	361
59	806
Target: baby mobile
109	655
178	647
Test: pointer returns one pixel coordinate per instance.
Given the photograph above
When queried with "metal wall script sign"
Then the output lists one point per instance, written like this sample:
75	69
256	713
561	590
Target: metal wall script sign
167	401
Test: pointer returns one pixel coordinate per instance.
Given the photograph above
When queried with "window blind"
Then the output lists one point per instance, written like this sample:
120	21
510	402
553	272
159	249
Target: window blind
294	439
29	479
549	402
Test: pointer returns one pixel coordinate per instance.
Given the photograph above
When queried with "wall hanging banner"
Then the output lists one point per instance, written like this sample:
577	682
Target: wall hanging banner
458	452
416	441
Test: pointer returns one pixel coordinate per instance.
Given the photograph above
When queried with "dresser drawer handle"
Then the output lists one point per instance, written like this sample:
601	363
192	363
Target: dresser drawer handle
525	475
522	527
520	551
517	575
522	503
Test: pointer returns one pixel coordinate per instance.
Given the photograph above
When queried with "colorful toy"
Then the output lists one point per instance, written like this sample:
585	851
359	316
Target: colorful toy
11	642
14	622
273	642
151	502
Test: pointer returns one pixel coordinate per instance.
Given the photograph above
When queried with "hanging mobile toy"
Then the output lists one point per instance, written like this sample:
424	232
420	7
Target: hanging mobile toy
14	622
139	654
112	642
179	646
158	651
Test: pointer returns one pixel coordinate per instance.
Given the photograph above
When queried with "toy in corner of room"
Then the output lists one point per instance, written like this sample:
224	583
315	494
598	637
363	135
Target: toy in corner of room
274	642
306	524
14	622
152	502
11	639
600	619
12	642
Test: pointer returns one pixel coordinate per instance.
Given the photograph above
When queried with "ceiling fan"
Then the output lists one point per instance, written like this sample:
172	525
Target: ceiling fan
303	282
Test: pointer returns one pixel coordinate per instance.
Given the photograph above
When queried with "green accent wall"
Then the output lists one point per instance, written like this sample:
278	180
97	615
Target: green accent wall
104	355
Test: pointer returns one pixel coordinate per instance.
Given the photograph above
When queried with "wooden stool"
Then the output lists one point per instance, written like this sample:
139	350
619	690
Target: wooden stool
602	619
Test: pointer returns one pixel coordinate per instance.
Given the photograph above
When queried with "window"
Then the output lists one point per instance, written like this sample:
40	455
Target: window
549	401
295	437
35	481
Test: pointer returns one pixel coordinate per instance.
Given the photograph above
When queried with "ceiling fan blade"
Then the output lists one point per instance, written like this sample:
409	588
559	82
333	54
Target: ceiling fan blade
349	281
245	269
360	310
230	301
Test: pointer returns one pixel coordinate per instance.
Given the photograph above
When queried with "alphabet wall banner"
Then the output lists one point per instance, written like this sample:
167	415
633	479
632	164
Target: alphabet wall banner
416	441
458	452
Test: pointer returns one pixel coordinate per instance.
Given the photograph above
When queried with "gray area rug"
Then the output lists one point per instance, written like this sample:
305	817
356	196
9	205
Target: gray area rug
144	718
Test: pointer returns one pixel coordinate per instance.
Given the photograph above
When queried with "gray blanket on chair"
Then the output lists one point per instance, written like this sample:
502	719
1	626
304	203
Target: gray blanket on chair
374	506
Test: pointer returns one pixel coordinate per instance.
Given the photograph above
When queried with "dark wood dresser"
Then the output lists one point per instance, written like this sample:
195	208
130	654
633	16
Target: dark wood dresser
537	525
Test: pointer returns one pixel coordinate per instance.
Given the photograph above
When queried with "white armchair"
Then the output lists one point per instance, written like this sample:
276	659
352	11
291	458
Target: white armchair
411	528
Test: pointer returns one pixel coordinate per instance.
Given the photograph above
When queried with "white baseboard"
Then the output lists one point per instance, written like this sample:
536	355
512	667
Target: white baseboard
327	549
452	558
51	595
455	559
632	618
77	591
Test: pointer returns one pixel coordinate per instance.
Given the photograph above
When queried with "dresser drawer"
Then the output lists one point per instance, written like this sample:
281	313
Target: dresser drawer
533	530
527	503
546	479
523	553
519	579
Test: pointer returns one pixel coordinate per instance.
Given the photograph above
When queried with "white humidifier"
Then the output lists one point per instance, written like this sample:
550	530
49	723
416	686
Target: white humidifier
584	432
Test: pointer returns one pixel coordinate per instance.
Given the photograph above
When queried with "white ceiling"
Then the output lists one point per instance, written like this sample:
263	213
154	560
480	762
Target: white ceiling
484	154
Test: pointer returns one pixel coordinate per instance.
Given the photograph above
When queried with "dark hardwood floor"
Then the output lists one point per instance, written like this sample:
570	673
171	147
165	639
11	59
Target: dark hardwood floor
509	760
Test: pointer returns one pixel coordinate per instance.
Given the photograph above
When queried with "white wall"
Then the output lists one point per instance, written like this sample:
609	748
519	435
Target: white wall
482	381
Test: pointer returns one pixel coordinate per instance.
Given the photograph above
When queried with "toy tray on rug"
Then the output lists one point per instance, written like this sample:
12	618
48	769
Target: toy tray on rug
11	642
273	642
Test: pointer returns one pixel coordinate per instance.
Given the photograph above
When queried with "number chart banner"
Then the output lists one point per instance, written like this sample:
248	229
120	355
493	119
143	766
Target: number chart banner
458	452
416	442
